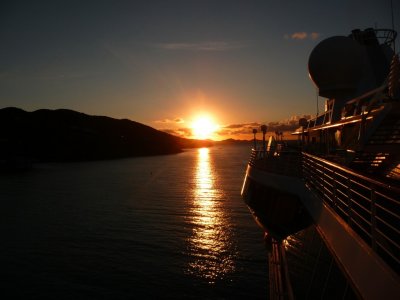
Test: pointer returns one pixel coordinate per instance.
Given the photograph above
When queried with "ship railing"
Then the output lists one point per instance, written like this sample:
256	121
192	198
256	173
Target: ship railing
371	208
387	36
383	35
355	107
278	161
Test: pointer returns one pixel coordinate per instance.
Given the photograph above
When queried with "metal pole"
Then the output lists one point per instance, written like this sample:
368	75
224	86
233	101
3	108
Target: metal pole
255	141
264	131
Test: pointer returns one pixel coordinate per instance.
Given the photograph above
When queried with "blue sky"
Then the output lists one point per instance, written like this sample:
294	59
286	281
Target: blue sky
164	62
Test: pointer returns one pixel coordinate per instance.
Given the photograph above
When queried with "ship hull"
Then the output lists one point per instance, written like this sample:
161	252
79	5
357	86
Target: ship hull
277	211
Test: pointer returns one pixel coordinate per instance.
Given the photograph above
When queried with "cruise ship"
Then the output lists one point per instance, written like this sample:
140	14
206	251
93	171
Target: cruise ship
342	174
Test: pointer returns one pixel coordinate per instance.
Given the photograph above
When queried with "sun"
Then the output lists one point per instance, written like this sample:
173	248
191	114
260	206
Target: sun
203	127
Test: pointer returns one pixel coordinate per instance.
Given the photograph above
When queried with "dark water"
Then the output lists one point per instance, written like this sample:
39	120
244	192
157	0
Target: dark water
154	227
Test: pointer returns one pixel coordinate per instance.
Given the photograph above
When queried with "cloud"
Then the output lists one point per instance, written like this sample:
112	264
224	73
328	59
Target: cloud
238	129
243	125
235	126
299	35
202	46
169	121
287	125
179	120
182	132
314	35
302	35
290	124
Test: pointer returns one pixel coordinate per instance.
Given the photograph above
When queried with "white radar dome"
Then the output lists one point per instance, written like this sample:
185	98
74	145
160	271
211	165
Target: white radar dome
336	66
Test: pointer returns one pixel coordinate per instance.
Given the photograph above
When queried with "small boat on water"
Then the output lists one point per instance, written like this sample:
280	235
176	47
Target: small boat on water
343	172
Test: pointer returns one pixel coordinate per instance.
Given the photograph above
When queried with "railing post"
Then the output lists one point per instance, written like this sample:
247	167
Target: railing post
349	212
314	177
334	190
307	171
373	218
323	184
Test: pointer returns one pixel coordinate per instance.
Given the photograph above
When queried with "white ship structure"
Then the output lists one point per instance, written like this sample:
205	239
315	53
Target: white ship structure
343	174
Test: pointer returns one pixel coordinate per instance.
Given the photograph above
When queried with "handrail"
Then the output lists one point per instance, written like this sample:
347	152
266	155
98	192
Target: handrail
353	101
351	172
371	208
282	162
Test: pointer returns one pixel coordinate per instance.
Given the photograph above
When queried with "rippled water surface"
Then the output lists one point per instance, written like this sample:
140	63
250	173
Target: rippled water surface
154	227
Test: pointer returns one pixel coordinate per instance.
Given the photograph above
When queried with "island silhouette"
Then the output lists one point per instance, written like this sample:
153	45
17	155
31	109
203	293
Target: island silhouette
64	135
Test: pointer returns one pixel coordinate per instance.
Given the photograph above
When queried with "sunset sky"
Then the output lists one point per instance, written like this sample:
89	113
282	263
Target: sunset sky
164	63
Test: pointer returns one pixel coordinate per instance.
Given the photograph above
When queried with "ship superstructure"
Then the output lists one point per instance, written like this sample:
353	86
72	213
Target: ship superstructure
343	174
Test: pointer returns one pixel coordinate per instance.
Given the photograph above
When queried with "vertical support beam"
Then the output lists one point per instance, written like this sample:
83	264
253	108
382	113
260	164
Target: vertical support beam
373	218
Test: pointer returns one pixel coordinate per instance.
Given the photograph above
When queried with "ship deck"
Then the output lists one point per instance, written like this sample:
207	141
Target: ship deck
357	216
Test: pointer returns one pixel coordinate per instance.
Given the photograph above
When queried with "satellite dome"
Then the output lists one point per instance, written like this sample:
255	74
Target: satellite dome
336	66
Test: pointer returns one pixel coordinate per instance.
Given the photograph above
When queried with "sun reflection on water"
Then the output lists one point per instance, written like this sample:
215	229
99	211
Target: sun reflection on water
210	245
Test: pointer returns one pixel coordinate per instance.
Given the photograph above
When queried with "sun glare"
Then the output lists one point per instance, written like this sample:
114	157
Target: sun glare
203	128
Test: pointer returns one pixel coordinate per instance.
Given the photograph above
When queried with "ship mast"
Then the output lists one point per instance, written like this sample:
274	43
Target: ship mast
391	11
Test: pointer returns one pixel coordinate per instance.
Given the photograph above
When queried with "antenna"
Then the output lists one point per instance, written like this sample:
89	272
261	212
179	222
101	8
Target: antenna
394	40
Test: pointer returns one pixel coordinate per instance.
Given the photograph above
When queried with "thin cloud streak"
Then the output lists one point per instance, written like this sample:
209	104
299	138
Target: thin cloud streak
238	129
203	46
169	121
181	132
302	35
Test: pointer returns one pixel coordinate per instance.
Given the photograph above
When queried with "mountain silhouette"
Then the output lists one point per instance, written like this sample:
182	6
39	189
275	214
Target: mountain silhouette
67	135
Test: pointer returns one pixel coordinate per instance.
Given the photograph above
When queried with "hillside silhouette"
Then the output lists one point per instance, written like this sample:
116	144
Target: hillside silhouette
67	135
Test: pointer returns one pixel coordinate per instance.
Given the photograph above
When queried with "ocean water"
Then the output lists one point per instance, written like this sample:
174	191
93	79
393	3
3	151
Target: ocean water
170	226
